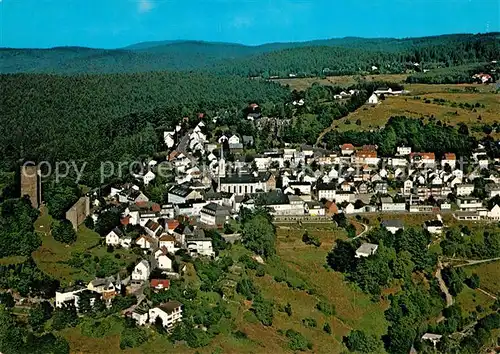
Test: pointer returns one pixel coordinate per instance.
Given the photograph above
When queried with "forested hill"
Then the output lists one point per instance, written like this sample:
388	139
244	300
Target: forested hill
95	118
343	55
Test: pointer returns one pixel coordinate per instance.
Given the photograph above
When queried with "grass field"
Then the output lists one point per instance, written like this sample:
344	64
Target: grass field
414	105
52	255
489	274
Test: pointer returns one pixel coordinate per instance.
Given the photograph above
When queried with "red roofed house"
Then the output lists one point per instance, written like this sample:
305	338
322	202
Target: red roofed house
347	149
368	157
331	208
160	284
449	159
125	220
170	225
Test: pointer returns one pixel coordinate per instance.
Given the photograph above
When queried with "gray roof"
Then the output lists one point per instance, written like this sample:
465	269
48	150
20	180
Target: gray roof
367	248
393	223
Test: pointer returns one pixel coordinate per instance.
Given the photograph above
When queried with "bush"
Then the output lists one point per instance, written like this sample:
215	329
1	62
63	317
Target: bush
132	337
325	308
327	328
310	322
297	341
263	310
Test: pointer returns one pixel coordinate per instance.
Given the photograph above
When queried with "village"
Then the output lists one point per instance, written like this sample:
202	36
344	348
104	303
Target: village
294	184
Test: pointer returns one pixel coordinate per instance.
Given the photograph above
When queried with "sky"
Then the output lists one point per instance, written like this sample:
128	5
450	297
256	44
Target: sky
118	23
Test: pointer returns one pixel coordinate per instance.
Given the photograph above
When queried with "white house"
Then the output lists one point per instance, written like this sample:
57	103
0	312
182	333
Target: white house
366	250
168	138
170	313
434	226
464	189
140	316
165	262
141	271
234	139
67	295
494	213
403	150
389	206
469	203
114	237
200	246
373	99
168	242
148	178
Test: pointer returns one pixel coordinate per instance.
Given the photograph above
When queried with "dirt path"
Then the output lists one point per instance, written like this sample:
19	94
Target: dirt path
442	285
488	294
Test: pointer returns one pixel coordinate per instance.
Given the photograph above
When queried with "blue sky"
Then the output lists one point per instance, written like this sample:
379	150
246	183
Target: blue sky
117	23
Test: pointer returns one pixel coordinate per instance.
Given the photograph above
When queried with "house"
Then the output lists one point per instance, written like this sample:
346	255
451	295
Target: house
164	260
347	149
160	284
214	214
434	226
200	245
247	140
182	193
389	206
373	100
67	295
423	158
302	187
314	209
434	338
393	226
168	242
169	139
493	189
170	313
407	187
153	228
89	294
366	250
449	159
403	150
107	287
326	191
140	316
469	203
464	189
331	208
114	237
365	157
467	215
141	271
234	139
494	213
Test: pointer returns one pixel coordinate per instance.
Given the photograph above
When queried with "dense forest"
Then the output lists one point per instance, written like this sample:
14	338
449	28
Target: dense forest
95	118
322	57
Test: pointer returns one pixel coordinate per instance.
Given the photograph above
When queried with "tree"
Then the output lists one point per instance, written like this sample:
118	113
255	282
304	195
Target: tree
39	314
473	281
59	197
297	341
403	265
64	232
288	309
64	317
341	257
107	221
7	300
359	341
327	328
89	222
259	235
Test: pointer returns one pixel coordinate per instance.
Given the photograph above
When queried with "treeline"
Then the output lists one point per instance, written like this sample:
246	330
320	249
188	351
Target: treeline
94	118
431	137
313	61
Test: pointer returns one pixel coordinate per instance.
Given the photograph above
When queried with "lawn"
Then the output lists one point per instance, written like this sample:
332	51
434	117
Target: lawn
50	257
469	299
489	275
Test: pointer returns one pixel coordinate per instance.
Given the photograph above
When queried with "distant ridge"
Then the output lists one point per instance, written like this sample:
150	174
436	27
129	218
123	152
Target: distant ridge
239	59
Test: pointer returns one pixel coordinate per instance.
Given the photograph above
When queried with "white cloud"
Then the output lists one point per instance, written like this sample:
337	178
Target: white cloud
145	6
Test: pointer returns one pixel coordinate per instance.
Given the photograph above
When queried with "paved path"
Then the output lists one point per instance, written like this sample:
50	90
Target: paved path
442	285
367	228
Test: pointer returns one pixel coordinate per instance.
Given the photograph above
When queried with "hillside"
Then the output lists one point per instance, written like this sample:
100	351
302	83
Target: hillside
307	58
